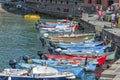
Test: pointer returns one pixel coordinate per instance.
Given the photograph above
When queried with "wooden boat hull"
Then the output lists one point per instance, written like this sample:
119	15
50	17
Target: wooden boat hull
85	43
70	38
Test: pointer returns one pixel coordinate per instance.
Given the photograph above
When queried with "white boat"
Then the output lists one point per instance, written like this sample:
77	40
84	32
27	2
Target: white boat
35	73
58	27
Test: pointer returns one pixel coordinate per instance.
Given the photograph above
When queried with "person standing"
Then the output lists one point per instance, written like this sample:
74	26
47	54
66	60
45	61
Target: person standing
116	19
113	19
99	14
102	15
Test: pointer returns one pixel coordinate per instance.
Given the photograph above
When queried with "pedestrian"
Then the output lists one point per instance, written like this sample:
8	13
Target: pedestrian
99	14
113	19
116	19
102	15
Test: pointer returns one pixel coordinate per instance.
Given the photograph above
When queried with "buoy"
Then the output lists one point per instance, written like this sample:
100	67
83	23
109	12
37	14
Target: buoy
32	17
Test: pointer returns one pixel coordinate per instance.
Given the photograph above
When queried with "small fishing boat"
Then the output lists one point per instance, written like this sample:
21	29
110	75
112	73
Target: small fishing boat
84	50
26	65
81	47
53	24
36	73
61	26
73	42
78	71
75	67
84	43
100	59
63	63
58	28
70	37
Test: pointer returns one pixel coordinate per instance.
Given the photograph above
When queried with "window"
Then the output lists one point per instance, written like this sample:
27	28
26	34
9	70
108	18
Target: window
67	2
61	2
50	1
75	3
56	2
98	2
89	1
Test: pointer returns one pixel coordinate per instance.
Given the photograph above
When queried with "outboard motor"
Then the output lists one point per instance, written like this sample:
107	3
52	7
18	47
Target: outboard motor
50	49
26	58
51	43
37	27
97	37
44	57
40	53
42	39
13	63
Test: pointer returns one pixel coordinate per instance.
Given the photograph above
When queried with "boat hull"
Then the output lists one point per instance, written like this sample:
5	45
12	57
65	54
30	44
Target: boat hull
28	78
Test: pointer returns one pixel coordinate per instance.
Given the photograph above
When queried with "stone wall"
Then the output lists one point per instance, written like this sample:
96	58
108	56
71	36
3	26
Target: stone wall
88	27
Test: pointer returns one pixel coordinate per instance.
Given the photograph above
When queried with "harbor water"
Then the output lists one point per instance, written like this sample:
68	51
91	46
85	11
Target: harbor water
18	37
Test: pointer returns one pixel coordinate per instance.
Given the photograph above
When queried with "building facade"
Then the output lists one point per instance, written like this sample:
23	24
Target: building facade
104	3
58	6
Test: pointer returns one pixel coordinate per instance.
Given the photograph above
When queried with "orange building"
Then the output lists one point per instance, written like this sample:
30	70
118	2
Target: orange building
104	3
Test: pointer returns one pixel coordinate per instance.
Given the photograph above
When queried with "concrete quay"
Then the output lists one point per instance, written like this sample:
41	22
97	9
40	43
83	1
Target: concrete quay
91	24
112	73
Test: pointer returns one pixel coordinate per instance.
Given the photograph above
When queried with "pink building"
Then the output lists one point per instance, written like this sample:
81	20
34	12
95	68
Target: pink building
104	3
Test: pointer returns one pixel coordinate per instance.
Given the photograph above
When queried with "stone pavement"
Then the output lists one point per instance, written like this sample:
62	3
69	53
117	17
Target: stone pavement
112	73
99	25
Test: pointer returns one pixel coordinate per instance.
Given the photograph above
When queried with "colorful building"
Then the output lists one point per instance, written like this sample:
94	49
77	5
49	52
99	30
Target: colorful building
104	3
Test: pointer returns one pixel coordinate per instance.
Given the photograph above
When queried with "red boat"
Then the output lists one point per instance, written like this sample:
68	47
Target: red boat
100	59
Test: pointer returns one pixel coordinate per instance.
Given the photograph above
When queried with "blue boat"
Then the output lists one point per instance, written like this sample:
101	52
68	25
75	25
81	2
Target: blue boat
86	43
92	51
36	73
76	69
87	47
26	65
91	64
50	62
